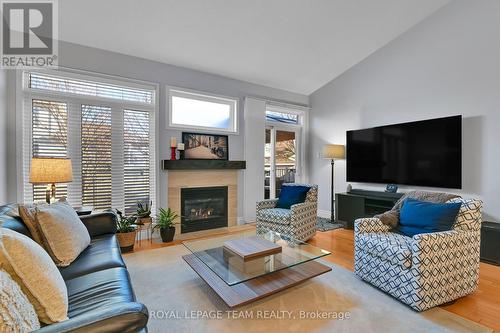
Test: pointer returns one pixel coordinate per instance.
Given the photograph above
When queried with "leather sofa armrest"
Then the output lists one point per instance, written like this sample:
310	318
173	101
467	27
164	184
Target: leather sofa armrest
125	318
100	223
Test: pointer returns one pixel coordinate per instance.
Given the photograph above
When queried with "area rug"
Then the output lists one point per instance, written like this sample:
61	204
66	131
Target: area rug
324	224
179	301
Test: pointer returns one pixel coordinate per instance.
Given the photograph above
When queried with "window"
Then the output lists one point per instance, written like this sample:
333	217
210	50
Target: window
282	117
89	88
106	128
96	156
49	137
194	110
136	152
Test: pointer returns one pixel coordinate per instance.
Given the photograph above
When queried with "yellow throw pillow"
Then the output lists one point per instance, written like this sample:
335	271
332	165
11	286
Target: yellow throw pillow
16	312
63	234
37	275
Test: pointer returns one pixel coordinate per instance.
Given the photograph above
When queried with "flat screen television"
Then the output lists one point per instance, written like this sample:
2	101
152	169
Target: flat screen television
420	153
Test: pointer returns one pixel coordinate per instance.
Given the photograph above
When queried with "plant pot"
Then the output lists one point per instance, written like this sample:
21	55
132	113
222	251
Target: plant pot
167	234
126	240
144	220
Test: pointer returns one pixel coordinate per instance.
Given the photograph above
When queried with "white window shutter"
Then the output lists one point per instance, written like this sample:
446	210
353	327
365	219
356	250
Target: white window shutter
106	128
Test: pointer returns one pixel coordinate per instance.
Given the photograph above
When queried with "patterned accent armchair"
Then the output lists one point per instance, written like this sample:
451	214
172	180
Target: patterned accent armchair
425	270
298	222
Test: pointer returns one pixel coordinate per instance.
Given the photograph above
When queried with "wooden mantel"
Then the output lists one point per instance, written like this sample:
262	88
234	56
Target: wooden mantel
202	165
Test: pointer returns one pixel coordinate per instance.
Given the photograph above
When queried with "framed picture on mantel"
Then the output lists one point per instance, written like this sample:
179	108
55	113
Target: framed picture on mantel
198	146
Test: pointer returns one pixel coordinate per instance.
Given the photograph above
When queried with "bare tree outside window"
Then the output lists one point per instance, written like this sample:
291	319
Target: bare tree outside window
96	156
136	138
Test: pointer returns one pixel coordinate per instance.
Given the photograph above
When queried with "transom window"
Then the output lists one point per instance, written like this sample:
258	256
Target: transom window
106	129
275	114
89	88
196	110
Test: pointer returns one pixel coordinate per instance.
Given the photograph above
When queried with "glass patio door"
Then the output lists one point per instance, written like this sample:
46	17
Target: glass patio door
281	159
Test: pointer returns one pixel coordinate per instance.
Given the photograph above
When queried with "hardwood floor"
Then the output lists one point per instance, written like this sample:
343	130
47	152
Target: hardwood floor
482	307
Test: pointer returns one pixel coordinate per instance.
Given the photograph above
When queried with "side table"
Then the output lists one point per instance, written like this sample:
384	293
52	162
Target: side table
148	228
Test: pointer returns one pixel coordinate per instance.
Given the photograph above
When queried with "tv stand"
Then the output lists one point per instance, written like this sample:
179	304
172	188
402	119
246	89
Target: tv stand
362	203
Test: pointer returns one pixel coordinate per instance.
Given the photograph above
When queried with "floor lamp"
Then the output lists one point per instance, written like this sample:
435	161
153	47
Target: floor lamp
333	152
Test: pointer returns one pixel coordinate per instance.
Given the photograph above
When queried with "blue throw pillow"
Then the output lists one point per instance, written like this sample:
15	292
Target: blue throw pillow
291	195
421	217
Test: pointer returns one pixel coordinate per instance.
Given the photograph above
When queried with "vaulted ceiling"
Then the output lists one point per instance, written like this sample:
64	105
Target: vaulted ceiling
295	45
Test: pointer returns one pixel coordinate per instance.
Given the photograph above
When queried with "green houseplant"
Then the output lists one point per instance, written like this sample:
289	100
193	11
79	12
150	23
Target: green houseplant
143	212
126	231
165	222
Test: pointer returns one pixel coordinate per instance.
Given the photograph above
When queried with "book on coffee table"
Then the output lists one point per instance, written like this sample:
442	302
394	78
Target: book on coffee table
252	247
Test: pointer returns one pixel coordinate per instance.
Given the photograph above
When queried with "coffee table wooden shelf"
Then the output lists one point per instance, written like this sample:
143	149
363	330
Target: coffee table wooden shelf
239	281
257	288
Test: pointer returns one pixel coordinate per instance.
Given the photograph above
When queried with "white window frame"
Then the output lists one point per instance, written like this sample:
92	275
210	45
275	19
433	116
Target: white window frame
205	97
23	141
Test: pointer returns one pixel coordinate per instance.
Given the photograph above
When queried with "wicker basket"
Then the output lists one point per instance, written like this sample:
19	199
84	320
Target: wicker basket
126	240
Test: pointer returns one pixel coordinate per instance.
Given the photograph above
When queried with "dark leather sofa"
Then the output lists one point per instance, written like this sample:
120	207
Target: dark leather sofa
101	298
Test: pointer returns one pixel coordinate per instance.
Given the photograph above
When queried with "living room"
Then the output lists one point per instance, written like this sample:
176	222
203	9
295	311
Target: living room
249	165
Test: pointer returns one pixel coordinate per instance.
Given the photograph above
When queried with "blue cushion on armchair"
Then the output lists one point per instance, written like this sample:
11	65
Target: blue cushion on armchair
421	217
291	195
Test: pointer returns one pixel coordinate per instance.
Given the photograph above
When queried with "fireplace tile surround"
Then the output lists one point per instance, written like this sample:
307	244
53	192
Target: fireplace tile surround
196	179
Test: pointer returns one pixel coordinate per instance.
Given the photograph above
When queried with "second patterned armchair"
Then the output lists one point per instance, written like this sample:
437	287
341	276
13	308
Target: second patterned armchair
298	222
424	270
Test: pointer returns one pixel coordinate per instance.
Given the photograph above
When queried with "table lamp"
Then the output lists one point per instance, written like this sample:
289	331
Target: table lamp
50	170
333	152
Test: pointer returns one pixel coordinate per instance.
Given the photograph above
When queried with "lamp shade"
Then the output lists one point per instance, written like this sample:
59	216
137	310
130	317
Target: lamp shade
333	152
51	170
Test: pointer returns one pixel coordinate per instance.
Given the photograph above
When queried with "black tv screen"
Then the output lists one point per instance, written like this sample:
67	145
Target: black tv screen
421	153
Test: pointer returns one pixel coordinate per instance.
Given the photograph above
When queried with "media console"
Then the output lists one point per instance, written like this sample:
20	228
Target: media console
362	203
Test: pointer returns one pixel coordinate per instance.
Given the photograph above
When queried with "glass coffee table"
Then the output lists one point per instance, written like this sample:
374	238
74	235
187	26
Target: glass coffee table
245	267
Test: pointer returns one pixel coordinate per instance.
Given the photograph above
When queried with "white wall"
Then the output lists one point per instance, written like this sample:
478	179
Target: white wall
255	124
101	61
3	136
447	65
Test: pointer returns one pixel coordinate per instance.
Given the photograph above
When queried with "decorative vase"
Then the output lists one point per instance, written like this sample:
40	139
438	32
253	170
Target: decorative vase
167	234
126	240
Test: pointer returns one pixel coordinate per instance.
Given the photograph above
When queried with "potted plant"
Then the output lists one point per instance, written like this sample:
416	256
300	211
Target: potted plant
144	213
165	221
126	231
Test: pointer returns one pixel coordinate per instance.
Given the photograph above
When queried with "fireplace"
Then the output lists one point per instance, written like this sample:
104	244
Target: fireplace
203	208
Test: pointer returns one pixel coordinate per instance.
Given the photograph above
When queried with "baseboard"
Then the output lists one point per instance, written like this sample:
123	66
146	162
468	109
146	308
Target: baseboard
324	213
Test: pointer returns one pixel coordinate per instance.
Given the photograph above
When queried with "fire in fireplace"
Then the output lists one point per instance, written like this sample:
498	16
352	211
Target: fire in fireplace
203	208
